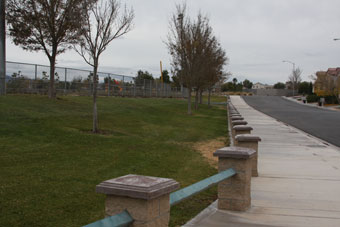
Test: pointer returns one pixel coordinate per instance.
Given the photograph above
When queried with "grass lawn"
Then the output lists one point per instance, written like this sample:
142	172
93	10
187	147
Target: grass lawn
50	163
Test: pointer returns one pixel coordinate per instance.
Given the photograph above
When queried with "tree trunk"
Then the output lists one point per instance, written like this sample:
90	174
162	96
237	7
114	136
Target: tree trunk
209	97
189	101
51	89
95	81
201	96
196	99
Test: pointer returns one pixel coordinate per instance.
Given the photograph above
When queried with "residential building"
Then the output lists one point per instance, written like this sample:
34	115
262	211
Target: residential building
261	86
327	82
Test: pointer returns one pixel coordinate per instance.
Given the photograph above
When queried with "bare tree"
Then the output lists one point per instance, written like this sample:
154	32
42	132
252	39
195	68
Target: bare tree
178	37
105	22
48	25
192	45
295	78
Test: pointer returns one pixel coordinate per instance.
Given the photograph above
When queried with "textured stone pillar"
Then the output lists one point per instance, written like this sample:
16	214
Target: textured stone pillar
233	111
145	198
236	118
241	129
250	141
234	192
235	115
238	122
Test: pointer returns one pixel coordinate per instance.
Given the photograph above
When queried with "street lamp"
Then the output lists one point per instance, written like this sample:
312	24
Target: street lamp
286	61
336	39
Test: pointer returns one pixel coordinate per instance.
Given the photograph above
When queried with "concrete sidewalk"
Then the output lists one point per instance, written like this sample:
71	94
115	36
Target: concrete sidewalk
298	183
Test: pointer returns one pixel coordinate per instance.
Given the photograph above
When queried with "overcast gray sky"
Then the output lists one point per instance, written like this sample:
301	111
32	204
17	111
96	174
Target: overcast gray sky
257	36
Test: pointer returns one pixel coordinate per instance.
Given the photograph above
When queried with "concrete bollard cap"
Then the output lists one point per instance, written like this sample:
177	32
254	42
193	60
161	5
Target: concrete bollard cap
247	138
242	128
137	186
235	152
239	122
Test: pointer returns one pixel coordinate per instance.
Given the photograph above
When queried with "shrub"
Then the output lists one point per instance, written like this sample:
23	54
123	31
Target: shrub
312	98
331	99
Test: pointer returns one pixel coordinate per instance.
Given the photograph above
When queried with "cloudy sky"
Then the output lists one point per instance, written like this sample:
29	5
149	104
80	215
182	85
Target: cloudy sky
257	36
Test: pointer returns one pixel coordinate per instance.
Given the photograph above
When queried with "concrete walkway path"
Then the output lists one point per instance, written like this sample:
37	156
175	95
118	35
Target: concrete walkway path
298	183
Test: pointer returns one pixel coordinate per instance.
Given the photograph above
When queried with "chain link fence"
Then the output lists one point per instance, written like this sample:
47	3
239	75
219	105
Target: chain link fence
34	79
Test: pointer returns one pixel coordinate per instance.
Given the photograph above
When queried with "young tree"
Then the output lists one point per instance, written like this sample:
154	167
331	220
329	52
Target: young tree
166	77
279	85
141	75
179	45
247	84
304	88
295	78
192	45
51	26
213	74
105	22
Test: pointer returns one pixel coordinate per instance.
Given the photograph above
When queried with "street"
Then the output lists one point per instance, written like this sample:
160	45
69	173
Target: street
321	123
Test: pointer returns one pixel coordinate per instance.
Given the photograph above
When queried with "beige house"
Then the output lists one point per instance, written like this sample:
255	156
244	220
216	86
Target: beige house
327	82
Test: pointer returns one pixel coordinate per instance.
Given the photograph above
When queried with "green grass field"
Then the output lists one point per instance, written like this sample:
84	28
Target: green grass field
50	162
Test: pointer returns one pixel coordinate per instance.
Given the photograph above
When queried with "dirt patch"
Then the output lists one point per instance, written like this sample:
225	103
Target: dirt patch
207	148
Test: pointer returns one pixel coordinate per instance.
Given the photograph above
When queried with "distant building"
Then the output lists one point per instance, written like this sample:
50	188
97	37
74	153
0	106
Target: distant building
261	86
327	82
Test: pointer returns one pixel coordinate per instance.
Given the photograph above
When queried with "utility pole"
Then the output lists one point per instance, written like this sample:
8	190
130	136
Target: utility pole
2	48
160	64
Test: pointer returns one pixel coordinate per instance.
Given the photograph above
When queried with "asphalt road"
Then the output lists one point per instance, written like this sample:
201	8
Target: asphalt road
321	123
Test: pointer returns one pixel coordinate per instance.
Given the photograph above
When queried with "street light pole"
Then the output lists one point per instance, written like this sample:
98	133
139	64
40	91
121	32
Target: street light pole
293	73
2	48
336	39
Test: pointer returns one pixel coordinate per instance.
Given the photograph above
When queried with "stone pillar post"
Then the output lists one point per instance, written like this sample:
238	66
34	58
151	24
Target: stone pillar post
241	129
145	198
238	122
250	141
234	193
236	118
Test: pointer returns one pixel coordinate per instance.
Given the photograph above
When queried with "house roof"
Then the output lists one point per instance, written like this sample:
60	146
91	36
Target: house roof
333	71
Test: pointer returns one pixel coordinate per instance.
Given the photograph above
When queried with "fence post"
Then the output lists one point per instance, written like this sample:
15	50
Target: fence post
35	72
250	141
144	88
123	87
156	88
150	88
65	87
108	84
134	89
234	192
2	48
145	198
